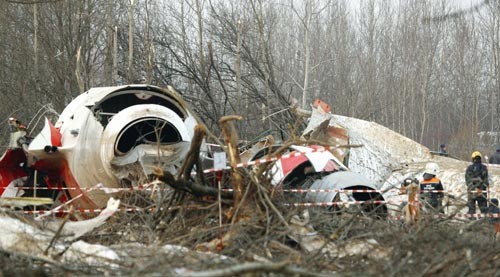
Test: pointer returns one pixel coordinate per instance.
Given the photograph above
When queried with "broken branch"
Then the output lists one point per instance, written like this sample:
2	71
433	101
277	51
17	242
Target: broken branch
188	186
231	138
193	154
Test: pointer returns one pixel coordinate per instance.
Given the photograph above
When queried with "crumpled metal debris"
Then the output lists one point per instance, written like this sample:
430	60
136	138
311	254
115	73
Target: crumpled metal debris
302	232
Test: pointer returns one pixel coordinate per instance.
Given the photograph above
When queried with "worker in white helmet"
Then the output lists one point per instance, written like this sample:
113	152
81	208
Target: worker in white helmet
431	187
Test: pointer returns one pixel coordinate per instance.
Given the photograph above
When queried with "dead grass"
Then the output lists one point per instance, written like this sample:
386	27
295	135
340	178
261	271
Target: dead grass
440	247
437	247
433	247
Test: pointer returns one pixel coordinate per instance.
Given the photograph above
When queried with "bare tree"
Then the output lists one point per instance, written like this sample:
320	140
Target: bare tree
130	68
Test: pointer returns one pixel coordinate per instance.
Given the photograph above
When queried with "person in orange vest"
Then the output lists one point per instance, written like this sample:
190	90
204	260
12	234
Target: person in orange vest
431	188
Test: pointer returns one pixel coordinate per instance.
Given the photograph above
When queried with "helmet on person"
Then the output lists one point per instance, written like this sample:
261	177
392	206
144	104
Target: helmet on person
442	145
431	168
476	154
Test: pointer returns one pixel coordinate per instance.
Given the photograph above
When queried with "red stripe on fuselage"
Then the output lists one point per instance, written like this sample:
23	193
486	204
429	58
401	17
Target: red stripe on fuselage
10	167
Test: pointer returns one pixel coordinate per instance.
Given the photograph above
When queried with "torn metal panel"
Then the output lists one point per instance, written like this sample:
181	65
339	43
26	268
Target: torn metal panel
75	229
352	183
249	152
321	129
48	240
109	135
302	232
318	169
301	161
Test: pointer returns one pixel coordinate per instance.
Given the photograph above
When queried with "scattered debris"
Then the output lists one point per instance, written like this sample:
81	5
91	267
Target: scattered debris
317	206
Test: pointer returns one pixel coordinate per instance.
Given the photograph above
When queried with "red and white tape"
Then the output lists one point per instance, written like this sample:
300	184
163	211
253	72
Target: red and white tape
147	187
374	190
294	154
58	208
131	210
486	215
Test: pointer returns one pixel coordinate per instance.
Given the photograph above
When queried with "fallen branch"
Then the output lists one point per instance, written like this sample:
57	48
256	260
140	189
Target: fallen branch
188	186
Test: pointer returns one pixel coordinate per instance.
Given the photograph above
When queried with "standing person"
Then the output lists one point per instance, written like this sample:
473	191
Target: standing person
476	179
442	150
431	186
495	158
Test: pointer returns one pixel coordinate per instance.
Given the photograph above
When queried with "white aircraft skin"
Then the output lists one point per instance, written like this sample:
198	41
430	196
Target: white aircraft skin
111	136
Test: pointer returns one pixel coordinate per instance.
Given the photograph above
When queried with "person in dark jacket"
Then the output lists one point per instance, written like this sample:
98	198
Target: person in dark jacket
476	179
431	187
495	158
442	150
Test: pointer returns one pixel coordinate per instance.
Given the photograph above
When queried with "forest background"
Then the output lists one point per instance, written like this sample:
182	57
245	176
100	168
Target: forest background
418	67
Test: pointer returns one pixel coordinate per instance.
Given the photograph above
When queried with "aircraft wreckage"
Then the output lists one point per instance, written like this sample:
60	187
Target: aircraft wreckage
115	136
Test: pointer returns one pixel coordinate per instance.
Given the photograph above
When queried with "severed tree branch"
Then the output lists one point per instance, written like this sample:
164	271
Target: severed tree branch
193	154
182	181
188	186
231	139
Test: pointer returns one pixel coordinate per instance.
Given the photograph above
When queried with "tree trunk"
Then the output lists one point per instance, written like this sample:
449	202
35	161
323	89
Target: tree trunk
130	77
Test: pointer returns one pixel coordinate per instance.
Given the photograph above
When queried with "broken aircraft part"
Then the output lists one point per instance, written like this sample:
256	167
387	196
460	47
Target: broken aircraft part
345	187
108	135
328	180
116	135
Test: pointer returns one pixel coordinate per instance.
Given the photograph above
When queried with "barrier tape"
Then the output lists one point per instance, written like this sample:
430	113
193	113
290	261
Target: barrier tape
296	153
58	208
147	188
144	187
487	215
95	211
375	190
84	211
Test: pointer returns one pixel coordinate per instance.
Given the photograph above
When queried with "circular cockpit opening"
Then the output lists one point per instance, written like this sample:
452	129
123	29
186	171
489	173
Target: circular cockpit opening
150	130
